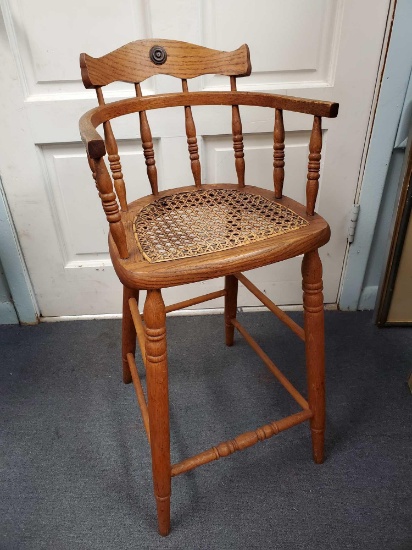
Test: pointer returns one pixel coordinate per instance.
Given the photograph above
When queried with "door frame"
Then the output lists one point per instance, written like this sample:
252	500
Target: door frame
15	269
394	85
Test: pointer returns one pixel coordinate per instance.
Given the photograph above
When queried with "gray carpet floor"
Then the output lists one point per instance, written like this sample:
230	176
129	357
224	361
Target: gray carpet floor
75	464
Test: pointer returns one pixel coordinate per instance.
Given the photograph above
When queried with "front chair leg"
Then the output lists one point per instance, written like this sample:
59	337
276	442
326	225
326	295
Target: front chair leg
315	348
158	404
128	332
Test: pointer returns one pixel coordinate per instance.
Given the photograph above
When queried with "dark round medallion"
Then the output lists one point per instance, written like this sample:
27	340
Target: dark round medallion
158	55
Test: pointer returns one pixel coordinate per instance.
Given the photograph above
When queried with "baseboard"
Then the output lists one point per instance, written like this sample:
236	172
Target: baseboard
179	313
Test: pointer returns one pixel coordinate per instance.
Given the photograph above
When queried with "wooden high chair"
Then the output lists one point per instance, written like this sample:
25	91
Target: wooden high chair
203	231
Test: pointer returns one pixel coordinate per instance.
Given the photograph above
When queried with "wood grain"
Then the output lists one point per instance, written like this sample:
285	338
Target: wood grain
315	348
139	393
192	140
278	153
237	138
113	157
138	326
231	287
158	404
147	144
284	317
110	207
271	366
93	118
315	147
128	332
241	442
136	272
131	63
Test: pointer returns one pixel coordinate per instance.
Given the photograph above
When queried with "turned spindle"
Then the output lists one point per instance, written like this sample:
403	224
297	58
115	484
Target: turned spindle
92	167
278	154
192	139
237	138
147	144
113	157
110	206
315	147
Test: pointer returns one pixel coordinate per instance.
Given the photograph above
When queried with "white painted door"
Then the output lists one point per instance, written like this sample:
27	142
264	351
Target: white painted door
326	49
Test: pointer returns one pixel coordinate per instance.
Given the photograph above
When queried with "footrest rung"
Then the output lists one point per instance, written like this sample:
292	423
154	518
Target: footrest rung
194	301
139	393
139	328
281	315
298	397
240	442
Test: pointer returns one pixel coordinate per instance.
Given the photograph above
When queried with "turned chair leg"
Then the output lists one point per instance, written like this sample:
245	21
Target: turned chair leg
315	348
231	285
128	332
158	404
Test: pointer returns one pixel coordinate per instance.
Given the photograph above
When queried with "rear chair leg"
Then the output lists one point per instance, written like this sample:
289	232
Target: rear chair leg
158	404
231	285
315	348
128	332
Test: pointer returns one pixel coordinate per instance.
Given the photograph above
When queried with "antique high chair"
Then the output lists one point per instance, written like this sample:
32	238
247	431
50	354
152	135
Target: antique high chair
201	232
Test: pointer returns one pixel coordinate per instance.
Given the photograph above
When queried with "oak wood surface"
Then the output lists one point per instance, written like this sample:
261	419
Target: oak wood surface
240	442
93	118
278	153
192	140
113	157
315	348
147	144
231	288
128	332
136	272
315	146
110	207
141	399
237	139
138	326
158	404
271	366
132	63
284	317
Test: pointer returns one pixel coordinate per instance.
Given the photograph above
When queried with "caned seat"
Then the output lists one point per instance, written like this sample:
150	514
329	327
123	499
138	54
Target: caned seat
211	232
202	231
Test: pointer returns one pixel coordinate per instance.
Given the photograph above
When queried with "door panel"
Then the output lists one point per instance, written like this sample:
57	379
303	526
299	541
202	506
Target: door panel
325	49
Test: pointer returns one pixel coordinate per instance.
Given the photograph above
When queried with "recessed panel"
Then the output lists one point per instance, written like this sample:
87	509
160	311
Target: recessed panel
49	38
220	164
291	43
79	218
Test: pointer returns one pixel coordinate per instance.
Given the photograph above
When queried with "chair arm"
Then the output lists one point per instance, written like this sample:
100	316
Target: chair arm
92	140
90	120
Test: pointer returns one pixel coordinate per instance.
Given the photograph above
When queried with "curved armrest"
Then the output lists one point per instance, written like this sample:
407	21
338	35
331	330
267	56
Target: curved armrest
90	120
92	140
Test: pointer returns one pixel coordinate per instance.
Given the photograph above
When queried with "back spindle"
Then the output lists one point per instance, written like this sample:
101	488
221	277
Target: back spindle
315	147
110	206
147	143
278	154
113	156
237	138
192	139
92	168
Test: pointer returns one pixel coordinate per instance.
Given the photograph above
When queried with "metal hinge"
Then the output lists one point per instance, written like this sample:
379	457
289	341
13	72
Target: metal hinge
353	221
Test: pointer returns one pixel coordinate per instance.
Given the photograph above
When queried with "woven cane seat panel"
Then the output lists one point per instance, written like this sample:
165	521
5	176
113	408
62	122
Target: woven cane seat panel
203	221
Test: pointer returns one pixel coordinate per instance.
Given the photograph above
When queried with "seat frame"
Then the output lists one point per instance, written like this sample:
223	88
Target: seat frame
133	63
